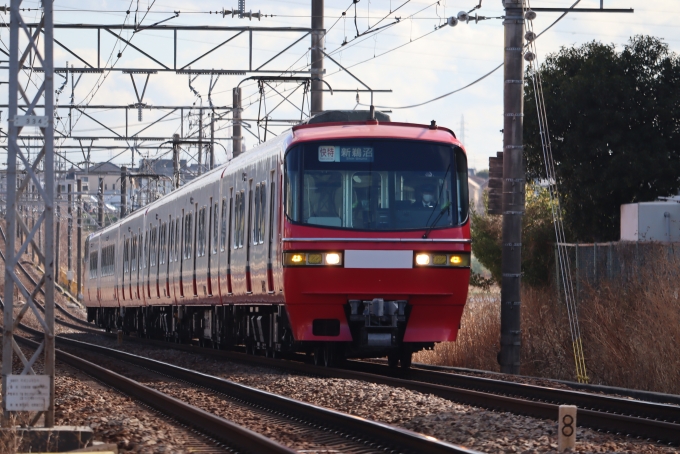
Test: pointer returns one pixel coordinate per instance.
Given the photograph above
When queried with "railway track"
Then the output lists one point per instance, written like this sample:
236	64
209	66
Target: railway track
642	419
330	429
229	436
649	420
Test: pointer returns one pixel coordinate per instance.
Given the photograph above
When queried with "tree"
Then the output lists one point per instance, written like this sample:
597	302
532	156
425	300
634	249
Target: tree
614	121
538	238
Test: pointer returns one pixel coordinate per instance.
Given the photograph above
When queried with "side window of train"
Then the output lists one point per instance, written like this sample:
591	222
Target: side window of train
178	240
133	253
94	257
256	216
223	221
140	250
153	246
237	221
272	195
171	239
187	236
126	256
201	233
263	205
145	250
162	245
216	224
242	219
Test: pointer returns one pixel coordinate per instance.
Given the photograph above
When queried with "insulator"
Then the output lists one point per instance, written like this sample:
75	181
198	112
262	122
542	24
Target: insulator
463	16
452	21
529	56
139	113
530	36
530	15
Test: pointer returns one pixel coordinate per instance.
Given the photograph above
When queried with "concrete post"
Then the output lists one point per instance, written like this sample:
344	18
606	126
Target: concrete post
175	161
123	192
79	239
100	204
316	103
513	188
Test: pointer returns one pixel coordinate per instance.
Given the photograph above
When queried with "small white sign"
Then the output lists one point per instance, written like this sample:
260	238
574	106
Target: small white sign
329	153
27	393
31	120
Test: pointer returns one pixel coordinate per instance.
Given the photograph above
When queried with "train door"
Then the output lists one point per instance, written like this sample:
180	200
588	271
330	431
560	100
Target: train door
249	287
225	234
126	265
270	236
212	217
169	257
160	261
194	240
182	258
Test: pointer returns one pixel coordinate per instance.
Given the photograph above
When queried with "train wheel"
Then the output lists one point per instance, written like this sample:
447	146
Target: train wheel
405	359
328	355
393	360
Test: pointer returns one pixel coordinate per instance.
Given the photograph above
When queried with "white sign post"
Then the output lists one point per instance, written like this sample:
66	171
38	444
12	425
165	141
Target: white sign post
28	393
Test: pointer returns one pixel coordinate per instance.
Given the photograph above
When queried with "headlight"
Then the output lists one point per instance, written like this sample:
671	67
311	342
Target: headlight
422	259
439	259
312	258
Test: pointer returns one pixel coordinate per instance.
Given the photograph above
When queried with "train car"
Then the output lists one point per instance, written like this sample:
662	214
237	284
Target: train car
337	238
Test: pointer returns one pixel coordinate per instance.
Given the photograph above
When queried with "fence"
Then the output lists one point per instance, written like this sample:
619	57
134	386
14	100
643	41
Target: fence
593	262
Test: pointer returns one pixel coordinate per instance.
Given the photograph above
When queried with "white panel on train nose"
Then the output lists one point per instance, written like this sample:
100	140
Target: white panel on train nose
378	259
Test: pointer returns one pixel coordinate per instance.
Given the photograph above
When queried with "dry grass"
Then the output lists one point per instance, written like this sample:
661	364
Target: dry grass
630	330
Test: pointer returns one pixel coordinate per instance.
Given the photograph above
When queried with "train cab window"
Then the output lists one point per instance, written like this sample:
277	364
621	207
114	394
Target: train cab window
126	256
223	233
201	233
187	236
216	224
94	258
377	184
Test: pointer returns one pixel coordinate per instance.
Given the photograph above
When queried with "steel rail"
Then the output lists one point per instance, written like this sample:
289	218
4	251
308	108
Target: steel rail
221	429
395	438
590	413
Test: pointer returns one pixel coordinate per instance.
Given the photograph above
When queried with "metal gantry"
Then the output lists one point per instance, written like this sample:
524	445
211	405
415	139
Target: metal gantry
26	391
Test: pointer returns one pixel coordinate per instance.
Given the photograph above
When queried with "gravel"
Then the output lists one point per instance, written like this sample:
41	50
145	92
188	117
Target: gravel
473	427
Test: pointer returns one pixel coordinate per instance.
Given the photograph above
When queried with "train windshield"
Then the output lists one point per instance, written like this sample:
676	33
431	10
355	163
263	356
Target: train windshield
376	184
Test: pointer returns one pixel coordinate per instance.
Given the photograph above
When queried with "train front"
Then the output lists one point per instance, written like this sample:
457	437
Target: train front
376	238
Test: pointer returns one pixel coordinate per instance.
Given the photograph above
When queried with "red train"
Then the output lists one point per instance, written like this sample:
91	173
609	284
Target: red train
341	239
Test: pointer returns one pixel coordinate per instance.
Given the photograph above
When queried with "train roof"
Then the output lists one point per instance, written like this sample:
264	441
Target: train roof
372	129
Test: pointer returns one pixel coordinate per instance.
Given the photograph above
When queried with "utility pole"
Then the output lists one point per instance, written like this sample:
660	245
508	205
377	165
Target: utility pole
212	140
69	247
175	161
123	191
236	130
24	110
79	239
58	236
513	187
200	142
100	204
316	104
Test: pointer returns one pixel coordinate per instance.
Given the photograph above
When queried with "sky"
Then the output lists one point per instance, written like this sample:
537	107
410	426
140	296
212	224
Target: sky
411	57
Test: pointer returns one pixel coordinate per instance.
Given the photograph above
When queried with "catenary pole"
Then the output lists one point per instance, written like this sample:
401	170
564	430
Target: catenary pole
236	129
79	239
316	104
123	192
513	187
175	161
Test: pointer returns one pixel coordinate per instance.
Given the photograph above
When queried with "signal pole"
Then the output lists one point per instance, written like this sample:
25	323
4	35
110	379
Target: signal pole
513	187
316	104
